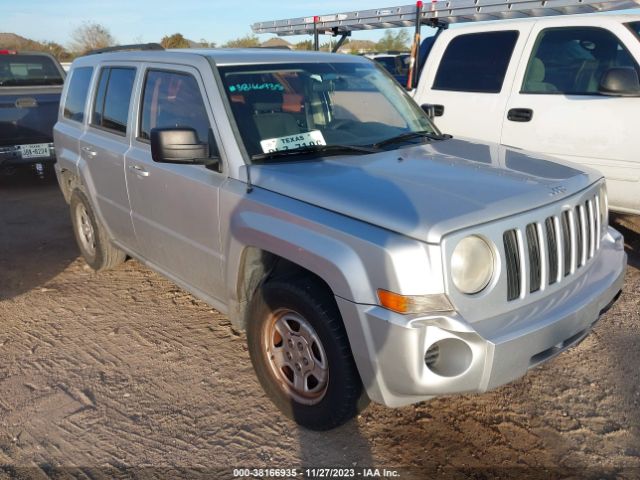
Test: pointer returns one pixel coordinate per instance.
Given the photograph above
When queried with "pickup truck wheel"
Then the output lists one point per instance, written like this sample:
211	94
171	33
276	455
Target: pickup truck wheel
301	354
91	236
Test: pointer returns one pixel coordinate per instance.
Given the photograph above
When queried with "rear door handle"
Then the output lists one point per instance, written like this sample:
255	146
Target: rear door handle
520	114
89	151
138	170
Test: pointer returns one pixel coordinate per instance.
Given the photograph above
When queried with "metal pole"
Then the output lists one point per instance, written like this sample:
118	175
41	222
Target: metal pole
415	50
316	35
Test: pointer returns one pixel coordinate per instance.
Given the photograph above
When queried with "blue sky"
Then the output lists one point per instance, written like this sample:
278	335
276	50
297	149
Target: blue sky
132	21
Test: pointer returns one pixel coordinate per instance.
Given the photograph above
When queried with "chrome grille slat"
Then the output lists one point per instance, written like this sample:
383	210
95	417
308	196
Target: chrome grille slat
592	229
535	264
552	250
544	259
543	253
561	251
598	221
510	240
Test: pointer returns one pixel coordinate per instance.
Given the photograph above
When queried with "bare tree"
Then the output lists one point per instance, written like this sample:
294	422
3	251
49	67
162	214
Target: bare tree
90	36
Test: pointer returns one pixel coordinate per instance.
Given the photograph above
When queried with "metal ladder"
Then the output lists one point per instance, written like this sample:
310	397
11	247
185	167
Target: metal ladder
436	13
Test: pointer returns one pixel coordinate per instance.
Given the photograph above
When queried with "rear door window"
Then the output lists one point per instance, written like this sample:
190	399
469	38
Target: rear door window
77	94
476	62
572	60
111	105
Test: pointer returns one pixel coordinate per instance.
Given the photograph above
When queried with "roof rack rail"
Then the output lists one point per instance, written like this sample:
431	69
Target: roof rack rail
119	48
436	13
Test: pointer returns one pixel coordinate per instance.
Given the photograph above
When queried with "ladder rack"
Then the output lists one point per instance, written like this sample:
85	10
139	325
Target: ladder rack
436	13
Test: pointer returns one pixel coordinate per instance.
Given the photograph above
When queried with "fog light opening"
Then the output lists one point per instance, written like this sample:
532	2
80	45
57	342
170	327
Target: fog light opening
449	357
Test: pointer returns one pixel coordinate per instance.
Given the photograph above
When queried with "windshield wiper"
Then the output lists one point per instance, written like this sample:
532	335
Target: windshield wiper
408	136
322	149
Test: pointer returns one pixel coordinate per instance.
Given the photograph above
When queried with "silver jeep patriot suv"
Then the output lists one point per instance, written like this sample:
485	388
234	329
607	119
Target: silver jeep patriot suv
305	195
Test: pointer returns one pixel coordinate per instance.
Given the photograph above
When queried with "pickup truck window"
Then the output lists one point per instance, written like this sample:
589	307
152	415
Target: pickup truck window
28	70
172	99
476	62
572	60
111	106
286	106
635	28
77	93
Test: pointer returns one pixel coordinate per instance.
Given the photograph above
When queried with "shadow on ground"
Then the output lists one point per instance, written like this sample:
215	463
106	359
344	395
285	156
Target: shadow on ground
36	239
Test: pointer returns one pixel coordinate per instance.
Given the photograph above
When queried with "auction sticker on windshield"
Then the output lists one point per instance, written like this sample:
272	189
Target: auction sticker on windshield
291	142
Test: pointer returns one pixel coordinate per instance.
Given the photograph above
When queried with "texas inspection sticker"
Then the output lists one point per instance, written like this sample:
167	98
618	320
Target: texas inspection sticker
291	142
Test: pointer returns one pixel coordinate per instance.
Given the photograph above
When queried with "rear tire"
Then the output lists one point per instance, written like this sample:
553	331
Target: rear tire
91	236
301	354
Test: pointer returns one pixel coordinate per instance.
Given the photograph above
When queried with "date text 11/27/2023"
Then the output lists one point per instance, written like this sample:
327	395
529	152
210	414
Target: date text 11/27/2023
315	473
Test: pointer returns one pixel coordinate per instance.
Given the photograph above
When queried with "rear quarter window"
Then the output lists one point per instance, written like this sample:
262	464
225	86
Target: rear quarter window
77	93
476	62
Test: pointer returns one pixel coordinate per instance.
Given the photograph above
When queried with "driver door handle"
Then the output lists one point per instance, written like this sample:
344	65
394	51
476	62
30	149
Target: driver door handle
520	114
138	170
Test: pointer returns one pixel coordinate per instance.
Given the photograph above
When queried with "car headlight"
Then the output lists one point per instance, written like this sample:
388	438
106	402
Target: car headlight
472	265
604	207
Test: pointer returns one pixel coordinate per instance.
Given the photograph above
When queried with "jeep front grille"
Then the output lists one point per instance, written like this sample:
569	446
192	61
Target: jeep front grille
551	249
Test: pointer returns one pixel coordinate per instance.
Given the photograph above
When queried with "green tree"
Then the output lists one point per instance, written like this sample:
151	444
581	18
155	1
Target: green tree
304	45
176	40
90	36
394	41
248	41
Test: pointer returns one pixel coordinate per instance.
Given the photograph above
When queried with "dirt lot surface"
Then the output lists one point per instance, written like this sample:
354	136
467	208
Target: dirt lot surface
125	369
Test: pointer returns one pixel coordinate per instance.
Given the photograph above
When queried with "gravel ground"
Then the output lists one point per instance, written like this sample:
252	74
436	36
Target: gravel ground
124	369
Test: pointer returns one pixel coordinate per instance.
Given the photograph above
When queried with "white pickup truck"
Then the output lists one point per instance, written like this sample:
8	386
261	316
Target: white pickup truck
565	86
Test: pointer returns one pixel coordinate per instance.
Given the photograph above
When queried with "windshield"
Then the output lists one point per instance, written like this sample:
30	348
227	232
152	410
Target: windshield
635	28
26	70
294	106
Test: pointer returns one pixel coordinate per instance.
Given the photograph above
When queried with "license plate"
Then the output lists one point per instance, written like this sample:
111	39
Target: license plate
35	151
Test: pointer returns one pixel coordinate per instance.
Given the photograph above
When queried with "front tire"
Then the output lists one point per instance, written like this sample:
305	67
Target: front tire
301	354
91	235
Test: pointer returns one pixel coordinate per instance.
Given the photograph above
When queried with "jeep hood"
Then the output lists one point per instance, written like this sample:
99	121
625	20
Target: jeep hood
429	190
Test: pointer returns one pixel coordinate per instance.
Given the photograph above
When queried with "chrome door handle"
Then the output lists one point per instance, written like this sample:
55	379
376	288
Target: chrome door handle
89	151
138	170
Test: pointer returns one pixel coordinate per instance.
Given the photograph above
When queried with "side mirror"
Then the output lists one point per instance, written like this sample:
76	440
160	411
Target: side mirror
179	145
620	81
432	110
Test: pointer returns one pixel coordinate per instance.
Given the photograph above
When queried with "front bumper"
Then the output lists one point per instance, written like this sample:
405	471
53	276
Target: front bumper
389	349
11	156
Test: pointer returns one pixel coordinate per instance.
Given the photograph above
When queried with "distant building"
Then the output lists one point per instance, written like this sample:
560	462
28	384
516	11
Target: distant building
276	42
358	46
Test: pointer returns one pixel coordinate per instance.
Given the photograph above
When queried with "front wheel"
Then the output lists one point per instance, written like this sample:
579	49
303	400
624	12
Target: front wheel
301	354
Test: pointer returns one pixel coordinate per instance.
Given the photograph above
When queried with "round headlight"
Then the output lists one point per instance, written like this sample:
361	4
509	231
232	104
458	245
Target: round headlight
472	265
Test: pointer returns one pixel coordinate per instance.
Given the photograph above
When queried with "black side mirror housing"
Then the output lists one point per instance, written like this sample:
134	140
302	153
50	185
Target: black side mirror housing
620	81
179	145
432	110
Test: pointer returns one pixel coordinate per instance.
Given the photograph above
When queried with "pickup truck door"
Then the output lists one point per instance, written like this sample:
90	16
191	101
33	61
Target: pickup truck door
555	107
103	148
467	78
175	208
